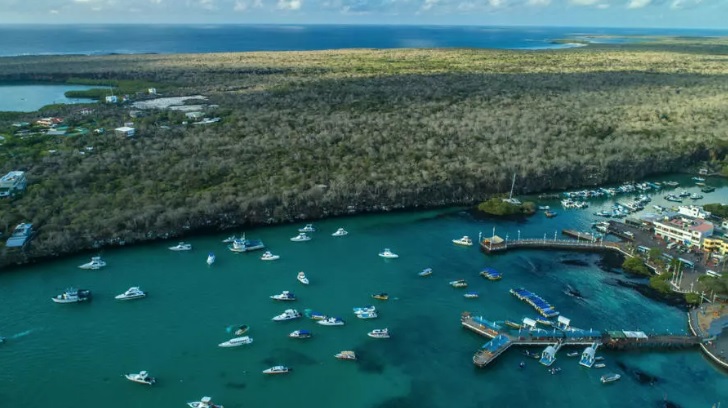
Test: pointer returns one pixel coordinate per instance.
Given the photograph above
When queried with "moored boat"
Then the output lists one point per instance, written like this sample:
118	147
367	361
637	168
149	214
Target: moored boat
284	296
550	214
95	263
599	365
302	237
513	324
141	377
340	233
707	189
491	274
460	283
611	377
345	355
302	278
379	333
314	315
268	256
367	315
72	295
210	258
331	321
229	239
204	402
245	245
307	228
277	370
181	247
471	295
132	293
388	254
572	354
240	330
464	241
369	308
380	296
288	314
236	342
300	334
425	272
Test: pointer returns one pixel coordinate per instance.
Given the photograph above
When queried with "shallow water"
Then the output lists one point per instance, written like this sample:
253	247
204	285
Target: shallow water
29	98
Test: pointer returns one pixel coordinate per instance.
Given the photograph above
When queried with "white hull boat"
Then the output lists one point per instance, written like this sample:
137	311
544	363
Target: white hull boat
210	258
132	293
181	247
346	355
300	334
464	241
307	228
387	254
379	333
289	314
205	402
141	378
302	278
302	237
268	256
73	296
426	272
367	315
286	296
340	233
236	342
95	263
277	370
331	321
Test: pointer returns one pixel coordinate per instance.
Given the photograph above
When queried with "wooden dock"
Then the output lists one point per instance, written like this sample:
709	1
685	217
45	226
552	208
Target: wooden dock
557	244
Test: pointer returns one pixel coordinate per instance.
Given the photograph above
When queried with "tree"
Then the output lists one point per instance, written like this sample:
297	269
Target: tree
636	266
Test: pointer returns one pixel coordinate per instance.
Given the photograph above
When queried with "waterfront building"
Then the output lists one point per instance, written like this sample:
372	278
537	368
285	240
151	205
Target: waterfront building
111	99
694	211
684	230
12	182
716	244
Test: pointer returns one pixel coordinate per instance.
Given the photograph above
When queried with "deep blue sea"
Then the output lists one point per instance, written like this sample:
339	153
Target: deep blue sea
130	39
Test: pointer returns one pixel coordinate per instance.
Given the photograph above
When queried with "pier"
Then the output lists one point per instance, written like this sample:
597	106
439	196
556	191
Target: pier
498	245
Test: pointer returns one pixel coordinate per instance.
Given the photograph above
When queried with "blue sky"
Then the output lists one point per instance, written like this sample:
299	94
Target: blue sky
575	13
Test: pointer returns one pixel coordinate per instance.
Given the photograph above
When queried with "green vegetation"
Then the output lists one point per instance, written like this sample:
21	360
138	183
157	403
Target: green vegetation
496	206
119	87
636	266
309	134
719	210
661	283
692	298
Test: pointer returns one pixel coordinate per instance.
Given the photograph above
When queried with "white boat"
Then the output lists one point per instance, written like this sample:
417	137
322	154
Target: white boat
426	272
236	342
572	354
607	378
73	295
302	278
95	263
345	355
132	293
364	309
471	295
229	239
599	365
300	334
367	315
181	247
331	321
210	258
379	333
245	245
465	241
302	237
142	378
289	314
460	283
205	402
268	256
284	296
388	254
307	228
340	233
277	370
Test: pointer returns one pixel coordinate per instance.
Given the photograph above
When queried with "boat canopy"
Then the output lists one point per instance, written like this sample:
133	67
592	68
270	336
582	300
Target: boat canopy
491	325
498	342
549	352
564	321
529	322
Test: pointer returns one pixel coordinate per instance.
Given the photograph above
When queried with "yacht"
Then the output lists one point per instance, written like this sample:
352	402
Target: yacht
277	370
364	309
696	196
460	283
289	314
132	293
367	315
331	321
205	402
607	378
302	278
268	256
684	194
142	378
388	254
210	258
425	272
236	342
95	263
73	295
471	295
345	355
379	333
245	245
301	334
339	233
284	296
302	237
465	241
307	228
181	247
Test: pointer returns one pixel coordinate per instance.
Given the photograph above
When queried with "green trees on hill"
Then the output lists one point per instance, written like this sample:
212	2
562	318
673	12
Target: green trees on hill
636	266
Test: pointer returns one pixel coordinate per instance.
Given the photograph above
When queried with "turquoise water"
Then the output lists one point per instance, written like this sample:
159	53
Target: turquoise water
29	98
78	352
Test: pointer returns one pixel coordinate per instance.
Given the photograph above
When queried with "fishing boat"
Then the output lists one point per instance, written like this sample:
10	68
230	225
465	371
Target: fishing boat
340	233
673	198
696	196
331	321
288	314
240	330
599	365
245	245
72	295
181	247
268	256
608	378
388	254
210	258
707	189
379	333
95	263
464	241
302	278
367	315
132	293
550	214
380	296
307	228
277	370
141	377
302	237
300	334
471	295
425	272
460	283
605	214
236	342
345	355
491	274
205	402
369	308
284	296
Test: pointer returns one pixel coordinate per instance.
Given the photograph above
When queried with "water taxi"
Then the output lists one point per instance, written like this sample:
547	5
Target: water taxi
141	377
95	263
268	256
379	333
181	247
345	355
132	293
302	278
464	241
285	296
236	342
205	402
300	334
490	274
277	370
307	228
302	237
340	233
72	295
699	179
608	378
210	258
388	254
380	296
460	283
425	272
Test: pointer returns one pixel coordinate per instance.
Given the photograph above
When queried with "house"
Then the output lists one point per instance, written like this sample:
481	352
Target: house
694	211
136	114
85	111
125	131
684	230
12	182
49	122
21	234
716	244
194	115
152	91
111	99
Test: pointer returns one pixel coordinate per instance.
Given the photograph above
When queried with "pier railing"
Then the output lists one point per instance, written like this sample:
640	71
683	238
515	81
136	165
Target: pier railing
571	244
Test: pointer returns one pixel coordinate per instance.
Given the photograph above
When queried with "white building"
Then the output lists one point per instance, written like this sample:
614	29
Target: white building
724	225
13	181
125	131
112	99
694	211
152	91
684	230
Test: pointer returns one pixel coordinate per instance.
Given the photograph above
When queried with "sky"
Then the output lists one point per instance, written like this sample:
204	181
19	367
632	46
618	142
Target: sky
572	13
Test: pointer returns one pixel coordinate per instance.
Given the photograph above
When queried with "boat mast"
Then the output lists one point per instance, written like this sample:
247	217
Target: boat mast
513	184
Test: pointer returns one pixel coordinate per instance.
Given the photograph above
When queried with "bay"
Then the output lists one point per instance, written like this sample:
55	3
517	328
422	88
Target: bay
31	97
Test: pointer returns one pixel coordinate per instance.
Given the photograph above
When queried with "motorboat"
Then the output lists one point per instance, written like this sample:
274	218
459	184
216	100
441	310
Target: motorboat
698	179
95	263
181	247
302	237
550	214
302	278
572	354
380	296
460	283
544	207
268	256
314	315
599	365
141	377
471	295
379	333
367	315
288	314
210	258
307	228
277	370
340	233
513	324
684	193
205	402
465	241
671	183
242	330
229	239
696	196
132	293
73	295
331	321
491	274
612	377
598	358
284	296
345	355
425	272
301	334
388	254
236	342
364	309
245	245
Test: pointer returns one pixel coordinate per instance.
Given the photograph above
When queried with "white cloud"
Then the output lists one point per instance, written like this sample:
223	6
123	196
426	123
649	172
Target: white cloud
81	1
240	6
602	6
208	4
53	11
678	4
496	3
428	4
156	1
538	2
584	2
635	4
289	4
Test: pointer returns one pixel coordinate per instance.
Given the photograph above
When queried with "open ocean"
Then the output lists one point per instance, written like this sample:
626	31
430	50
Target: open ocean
131	39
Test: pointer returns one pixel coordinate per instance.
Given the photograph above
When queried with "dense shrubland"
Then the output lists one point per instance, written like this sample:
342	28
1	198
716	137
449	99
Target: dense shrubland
309	134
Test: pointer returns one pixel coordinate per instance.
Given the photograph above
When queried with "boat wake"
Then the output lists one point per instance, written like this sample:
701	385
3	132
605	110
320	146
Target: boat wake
22	334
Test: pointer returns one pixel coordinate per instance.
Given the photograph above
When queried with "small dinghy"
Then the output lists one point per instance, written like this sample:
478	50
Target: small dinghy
345	355
284	296
181	247
388	254
460	283
379	333
426	272
380	296
268	256
471	295
240	330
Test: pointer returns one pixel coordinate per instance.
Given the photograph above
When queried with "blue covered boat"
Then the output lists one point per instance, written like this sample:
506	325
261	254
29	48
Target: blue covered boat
490	274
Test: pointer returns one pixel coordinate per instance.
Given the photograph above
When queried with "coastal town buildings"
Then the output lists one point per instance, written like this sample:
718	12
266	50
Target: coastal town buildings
683	229
694	211
716	244
49	122
12	182
125	131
